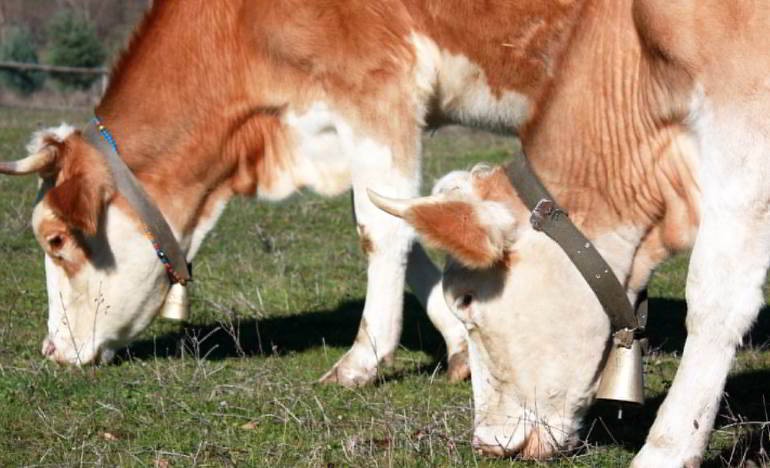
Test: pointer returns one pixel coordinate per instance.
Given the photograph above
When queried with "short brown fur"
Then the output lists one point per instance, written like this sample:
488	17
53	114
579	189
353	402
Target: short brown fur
453	226
83	186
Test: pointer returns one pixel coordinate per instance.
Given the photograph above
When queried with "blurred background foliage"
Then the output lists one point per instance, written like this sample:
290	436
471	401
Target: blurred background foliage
19	46
73	42
73	33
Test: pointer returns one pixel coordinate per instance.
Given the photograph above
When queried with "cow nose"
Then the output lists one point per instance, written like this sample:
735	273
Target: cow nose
48	348
489	450
530	444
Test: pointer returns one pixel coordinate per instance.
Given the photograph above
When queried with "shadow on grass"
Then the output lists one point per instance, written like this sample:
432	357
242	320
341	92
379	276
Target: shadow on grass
744	412
280	335
667	332
744	404
743	415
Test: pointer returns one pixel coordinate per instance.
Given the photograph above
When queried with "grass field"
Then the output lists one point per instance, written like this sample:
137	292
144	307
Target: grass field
277	300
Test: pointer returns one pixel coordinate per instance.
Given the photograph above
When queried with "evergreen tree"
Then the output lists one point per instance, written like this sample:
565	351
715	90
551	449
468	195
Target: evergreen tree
73	43
18	46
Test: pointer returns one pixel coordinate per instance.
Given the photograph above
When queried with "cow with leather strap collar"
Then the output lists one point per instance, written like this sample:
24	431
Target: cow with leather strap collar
646	119
653	134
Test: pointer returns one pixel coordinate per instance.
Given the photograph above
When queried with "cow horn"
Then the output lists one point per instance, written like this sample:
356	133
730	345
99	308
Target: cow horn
397	206
29	165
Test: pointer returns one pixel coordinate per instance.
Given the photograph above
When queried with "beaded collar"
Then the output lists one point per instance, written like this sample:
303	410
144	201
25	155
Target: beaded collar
154	225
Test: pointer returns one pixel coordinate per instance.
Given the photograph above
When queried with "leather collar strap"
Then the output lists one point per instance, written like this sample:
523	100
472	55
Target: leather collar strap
555	223
166	245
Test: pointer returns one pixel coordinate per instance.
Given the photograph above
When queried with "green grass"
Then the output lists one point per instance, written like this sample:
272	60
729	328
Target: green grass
277	300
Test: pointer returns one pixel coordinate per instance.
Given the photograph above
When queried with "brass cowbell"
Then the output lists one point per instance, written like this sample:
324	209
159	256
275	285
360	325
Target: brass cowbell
177	303
622	378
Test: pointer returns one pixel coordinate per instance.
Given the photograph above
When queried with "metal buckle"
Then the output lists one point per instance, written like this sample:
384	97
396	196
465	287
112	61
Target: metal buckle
624	337
544	210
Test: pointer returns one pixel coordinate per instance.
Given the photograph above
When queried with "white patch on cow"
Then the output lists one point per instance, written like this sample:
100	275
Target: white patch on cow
110	300
617	247
728	267
455	181
462	89
204	226
516	389
499	222
428	60
424	279
374	167
60	133
319	146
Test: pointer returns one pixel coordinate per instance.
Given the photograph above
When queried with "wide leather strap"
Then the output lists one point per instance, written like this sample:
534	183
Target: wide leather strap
549	218
142	204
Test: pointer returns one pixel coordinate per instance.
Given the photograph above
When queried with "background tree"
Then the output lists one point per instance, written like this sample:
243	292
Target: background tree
73	42
18	46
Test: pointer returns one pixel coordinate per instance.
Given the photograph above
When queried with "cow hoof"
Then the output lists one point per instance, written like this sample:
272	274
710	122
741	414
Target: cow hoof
348	377
660	457
458	368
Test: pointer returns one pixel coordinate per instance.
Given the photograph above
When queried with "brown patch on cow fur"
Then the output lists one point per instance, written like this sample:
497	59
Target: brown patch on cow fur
495	186
458	368
83	186
509	258
454	227
527	36
367	246
537	445
70	252
208	85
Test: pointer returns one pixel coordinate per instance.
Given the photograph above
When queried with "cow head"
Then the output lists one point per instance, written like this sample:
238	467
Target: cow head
104	281
537	335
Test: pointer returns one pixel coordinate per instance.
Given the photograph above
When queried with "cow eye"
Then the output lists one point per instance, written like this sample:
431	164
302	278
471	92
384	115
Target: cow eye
55	242
465	301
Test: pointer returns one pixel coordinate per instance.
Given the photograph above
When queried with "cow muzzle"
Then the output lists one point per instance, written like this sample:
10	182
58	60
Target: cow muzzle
62	354
537	443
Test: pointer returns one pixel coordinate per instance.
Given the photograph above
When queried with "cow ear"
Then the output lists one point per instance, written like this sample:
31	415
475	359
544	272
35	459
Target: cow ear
83	187
477	233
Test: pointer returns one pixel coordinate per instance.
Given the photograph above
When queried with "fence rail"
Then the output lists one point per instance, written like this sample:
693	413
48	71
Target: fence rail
53	68
101	71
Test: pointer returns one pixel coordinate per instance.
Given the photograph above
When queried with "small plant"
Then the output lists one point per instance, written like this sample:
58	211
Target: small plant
18	46
72	42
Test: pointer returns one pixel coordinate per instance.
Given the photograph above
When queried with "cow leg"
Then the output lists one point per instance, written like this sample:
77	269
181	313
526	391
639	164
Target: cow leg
386	240
425	281
724	286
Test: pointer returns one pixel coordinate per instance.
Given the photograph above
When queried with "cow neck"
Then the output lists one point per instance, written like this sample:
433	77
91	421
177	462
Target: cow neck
154	223
594	141
549	218
187	174
173	103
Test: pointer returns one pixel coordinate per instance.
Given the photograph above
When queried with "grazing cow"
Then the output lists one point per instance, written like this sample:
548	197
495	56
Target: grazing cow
220	98
653	133
618	102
